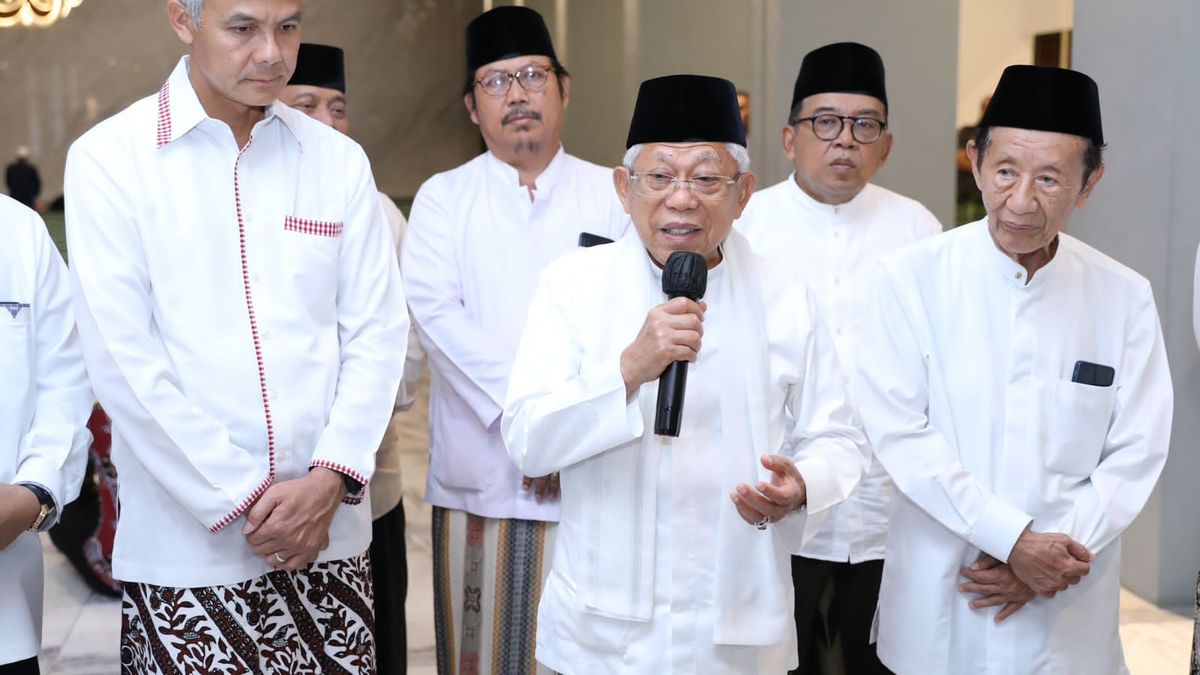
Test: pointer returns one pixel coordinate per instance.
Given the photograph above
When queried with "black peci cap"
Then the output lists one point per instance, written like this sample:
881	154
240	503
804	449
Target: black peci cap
686	108
505	32
841	68
1046	99
320	66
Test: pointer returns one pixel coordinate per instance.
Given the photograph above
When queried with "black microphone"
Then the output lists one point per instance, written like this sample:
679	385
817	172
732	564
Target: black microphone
686	274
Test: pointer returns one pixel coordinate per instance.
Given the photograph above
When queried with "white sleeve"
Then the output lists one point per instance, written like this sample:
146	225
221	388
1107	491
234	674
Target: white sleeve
561	411
186	450
1135	448
456	345
372	331
414	358
53	451
1196	301
892	390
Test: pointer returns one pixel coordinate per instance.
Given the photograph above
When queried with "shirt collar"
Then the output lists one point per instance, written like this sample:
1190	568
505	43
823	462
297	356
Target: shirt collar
179	109
545	181
849	210
1010	270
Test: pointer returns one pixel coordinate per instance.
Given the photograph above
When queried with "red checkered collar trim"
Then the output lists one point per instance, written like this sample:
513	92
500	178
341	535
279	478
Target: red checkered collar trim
179	109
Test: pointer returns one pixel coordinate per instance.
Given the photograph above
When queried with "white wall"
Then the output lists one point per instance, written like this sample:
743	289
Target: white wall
994	34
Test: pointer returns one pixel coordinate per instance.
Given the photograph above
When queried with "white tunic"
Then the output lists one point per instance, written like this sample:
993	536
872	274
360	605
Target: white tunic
475	247
567	411
831	249
965	390
45	402
242	318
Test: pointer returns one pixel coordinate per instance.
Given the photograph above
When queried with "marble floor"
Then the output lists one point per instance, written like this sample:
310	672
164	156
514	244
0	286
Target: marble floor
82	629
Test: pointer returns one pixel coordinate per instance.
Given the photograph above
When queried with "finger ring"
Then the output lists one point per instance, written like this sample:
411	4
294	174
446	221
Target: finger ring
762	524
279	559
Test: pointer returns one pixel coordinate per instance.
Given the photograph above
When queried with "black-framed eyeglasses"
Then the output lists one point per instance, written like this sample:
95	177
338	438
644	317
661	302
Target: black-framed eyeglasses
828	127
531	78
709	188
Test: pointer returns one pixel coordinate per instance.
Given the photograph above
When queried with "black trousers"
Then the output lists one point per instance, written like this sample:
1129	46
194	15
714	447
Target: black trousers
26	667
855	592
389	567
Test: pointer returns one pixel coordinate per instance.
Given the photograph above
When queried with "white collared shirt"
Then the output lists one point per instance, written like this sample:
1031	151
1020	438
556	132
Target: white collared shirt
45	402
242	318
475	247
831	249
968	392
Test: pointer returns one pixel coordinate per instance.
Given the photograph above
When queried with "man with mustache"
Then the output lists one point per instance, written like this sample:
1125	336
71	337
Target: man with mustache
1013	382
672	554
827	224
478	239
243	323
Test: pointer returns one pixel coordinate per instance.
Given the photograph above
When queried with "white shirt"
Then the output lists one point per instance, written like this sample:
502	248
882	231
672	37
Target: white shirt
965	389
242	318
568	411
45	402
475	247
831	249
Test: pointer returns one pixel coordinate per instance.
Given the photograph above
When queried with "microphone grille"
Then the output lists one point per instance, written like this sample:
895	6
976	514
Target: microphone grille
686	274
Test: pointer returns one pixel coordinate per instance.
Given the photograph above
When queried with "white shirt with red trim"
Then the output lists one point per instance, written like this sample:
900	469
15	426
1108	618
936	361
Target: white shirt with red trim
475	248
242	319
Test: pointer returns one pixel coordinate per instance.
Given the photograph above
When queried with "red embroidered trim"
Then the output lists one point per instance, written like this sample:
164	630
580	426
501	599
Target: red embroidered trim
258	354
316	227
342	468
232	516
164	115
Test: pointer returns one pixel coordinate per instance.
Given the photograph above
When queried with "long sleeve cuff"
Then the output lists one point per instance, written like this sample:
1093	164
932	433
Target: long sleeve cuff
351	498
43	472
998	528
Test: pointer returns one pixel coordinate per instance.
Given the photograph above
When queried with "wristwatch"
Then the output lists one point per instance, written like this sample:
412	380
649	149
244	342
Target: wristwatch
46	502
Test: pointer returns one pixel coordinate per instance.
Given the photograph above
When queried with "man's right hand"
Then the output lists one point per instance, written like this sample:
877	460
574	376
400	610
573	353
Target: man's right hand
1049	562
671	332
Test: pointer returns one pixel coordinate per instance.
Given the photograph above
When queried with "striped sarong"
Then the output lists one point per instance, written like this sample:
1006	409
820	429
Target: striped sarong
487	579
317	620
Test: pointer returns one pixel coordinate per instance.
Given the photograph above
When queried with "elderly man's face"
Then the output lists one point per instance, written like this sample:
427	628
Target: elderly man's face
680	219
244	51
1031	182
519	123
325	105
834	172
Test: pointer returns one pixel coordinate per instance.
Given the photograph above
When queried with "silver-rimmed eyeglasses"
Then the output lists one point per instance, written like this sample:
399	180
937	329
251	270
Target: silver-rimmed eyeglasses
709	188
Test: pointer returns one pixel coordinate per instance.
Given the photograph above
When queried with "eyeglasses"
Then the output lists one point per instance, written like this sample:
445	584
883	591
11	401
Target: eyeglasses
708	188
531	78
829	127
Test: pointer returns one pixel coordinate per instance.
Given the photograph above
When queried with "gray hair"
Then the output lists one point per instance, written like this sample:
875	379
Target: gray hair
740	155
194	8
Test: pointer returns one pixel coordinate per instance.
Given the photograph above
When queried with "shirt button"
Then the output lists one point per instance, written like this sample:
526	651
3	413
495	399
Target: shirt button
1018	275
837	281
273	395
837	234
266	335
838	330
255	277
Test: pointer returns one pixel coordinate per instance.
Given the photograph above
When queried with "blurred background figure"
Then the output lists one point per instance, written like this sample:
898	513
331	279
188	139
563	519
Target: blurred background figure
22	178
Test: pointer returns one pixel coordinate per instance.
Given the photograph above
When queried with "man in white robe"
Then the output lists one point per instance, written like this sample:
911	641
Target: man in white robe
1014	384
479	236
827	224
44	406
673	552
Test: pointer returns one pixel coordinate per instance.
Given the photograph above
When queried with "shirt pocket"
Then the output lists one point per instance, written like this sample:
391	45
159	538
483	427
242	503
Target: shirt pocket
316	228
1077	419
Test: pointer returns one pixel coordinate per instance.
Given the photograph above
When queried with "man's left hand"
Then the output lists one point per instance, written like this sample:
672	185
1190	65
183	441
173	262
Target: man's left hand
290	521
785	493
18	509
997	585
